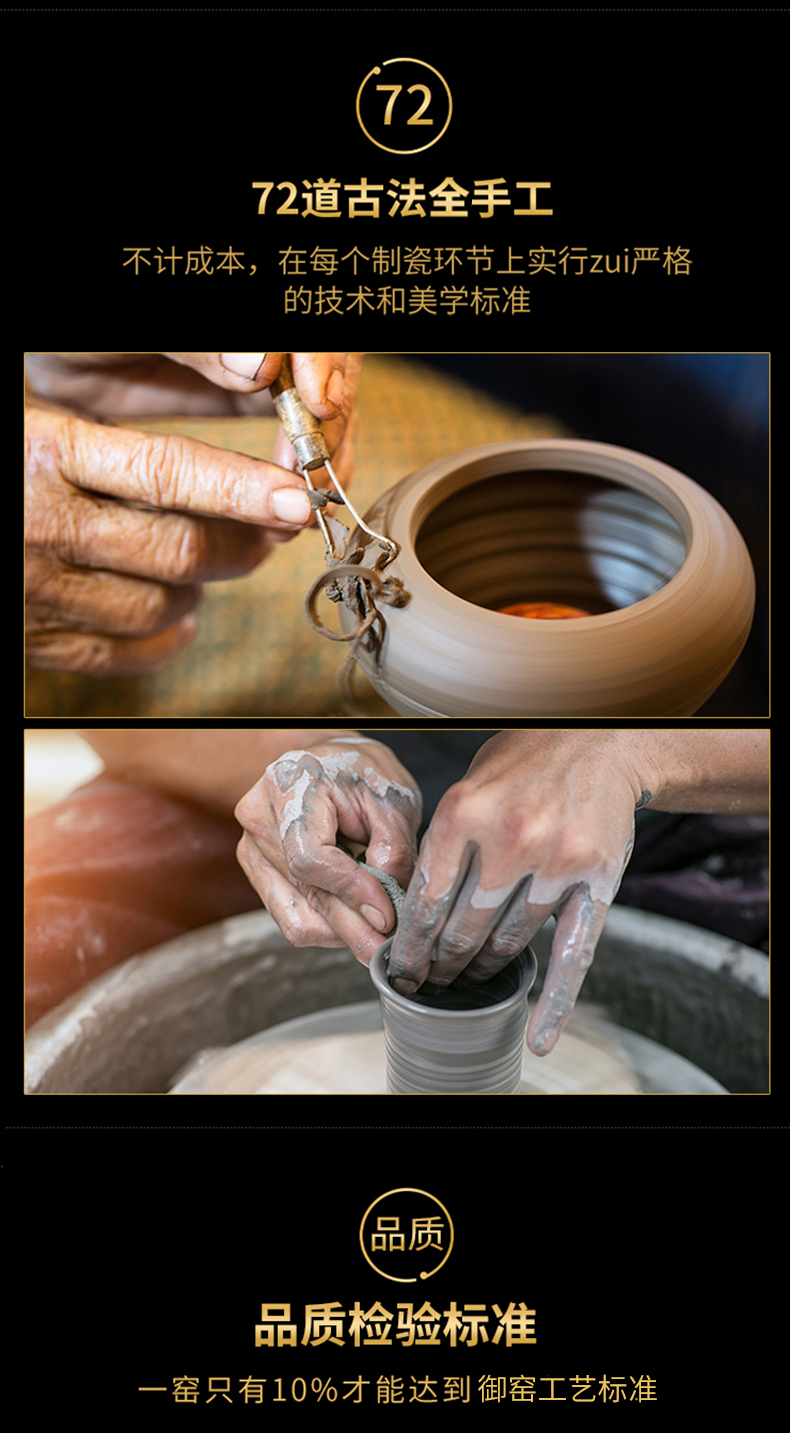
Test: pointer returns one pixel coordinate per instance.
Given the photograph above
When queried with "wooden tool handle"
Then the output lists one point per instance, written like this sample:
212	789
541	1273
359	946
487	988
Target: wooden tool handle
284	379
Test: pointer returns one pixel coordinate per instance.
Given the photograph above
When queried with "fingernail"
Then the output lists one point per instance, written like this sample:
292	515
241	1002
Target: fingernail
373	917
291	505
335	387
542	1042
243	365
403	986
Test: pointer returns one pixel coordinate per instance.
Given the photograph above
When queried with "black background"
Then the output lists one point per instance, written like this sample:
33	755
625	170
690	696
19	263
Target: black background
149	1246
152	1262
644	139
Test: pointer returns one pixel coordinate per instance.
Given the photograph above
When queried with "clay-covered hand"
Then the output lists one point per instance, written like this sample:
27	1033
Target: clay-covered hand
541	824
347	788
122	527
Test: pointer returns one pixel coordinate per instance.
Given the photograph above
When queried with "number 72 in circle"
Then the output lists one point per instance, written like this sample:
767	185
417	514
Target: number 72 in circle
416	95
415	118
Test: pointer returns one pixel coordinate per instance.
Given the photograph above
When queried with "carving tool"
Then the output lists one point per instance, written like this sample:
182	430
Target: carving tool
306	435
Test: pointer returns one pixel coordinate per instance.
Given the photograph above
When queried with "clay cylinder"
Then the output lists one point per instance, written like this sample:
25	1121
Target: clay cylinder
652	557
456	1042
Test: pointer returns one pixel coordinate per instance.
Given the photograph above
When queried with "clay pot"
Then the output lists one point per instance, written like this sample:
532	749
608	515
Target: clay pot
464	1045
654	558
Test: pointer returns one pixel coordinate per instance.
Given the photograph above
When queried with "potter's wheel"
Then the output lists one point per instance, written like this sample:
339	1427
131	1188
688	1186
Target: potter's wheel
134	1028
341	1052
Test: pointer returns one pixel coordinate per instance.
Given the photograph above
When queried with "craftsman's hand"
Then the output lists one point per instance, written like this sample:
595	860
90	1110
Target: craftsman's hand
122	527
141	385
541	824
293	818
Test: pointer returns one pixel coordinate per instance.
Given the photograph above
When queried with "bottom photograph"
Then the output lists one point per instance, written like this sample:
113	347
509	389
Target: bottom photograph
389	912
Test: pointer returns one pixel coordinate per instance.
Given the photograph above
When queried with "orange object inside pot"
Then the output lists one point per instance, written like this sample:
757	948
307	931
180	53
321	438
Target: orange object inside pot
542	609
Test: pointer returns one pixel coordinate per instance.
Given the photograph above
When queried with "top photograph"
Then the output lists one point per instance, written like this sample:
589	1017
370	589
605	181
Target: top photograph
434	536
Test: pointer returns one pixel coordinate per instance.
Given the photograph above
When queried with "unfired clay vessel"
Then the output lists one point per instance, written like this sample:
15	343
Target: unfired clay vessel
654	558
437	1046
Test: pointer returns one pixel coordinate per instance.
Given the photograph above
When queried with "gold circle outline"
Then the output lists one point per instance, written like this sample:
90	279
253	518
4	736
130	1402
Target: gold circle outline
407	59
406	1189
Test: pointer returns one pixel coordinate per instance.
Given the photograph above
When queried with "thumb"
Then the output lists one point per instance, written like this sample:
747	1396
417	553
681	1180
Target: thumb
240	372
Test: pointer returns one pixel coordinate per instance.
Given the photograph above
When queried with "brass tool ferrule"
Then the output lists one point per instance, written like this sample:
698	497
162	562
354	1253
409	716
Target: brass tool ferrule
304	430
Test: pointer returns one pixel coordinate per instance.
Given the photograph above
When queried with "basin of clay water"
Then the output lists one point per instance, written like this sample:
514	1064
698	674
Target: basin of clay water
233	1008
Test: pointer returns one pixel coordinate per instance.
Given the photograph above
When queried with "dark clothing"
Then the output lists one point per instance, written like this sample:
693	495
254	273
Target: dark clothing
709	870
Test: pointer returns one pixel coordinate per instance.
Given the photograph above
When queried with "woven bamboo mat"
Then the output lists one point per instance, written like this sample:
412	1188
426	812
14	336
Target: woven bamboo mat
254	655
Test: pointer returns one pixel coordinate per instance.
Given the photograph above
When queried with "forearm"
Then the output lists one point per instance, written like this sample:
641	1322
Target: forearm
705	770
692	770
212	768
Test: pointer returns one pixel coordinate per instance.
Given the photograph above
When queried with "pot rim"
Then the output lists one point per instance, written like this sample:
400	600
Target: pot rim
401	1002
662	655
681	497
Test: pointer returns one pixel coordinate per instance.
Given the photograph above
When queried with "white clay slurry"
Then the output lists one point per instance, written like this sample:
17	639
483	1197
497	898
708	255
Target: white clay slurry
344	761
281	772
278	770
331	767
294	807
489	900
549	892
382	785
543	891
335	765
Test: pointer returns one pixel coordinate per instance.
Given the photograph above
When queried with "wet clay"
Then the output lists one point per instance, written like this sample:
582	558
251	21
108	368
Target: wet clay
471	997
451	997
449	1048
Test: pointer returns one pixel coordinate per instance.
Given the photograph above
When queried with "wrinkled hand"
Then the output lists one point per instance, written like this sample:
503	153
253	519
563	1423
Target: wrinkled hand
140	385
293	817
122	528
541	824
